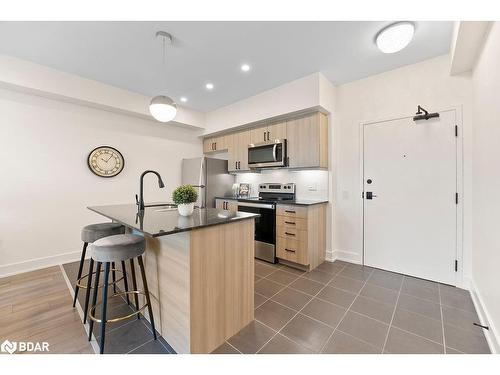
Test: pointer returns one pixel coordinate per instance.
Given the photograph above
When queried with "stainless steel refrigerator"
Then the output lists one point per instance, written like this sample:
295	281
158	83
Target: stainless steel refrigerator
209	176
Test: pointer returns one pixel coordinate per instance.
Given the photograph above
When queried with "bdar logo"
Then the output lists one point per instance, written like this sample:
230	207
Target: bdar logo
8	347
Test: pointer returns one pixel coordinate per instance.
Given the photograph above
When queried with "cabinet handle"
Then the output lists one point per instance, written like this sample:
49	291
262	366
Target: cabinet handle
290	234
235	165
215	145
290	222
268	135
289	212
291	251
264	136
239	165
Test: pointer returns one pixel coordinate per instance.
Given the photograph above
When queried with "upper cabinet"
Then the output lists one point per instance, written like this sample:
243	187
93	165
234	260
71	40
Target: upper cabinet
215	144
307	141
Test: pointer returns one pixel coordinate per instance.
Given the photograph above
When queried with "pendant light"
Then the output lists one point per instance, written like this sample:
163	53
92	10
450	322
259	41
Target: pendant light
162	107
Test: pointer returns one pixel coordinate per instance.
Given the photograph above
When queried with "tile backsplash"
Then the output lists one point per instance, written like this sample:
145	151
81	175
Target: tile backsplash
310	184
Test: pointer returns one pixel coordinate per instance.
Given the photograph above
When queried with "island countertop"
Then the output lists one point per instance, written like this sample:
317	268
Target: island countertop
162	220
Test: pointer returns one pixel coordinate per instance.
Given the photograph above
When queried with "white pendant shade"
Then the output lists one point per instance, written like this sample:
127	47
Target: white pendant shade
162	108
395	37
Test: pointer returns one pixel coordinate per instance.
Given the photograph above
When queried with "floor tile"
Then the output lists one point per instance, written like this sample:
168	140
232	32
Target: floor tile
344	283
373	309
415	281
225	349
465	340
457	300
282	277
452	351
444	288
307	332
342	262
386	279
413	289
419	306
127	338
307	286
274	315
359	273
256	278
319	276
379	294
341	343
324	311
400	342
364	328
268	288
420	325
337	296
283	345
251	338
462	319
330	267
292	298
263	270
152	347
292	270
258	299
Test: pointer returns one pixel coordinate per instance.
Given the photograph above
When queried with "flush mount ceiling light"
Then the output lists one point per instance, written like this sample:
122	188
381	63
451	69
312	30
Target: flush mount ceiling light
245	67
162	107
395	37
183	99
209	86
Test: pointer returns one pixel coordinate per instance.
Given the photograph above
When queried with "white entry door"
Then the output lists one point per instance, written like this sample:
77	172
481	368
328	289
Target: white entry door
410	171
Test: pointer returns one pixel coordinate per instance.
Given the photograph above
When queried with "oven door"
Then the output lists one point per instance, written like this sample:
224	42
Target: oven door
269	154
265	229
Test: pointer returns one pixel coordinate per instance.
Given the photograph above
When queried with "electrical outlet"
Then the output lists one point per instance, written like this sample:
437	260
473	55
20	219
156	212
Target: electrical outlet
312	187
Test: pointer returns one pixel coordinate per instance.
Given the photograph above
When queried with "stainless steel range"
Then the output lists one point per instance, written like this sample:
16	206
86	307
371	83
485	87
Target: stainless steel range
265	225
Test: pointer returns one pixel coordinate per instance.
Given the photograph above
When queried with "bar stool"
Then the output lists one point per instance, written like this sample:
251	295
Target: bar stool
91	233
118	248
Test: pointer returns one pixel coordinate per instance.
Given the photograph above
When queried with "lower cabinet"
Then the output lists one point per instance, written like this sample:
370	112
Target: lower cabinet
301	234
226	204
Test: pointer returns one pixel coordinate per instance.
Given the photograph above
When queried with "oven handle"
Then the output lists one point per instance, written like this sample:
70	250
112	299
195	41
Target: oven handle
257	205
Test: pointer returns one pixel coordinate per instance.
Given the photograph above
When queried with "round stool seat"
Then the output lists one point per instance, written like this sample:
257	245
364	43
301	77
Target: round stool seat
118	248
93	232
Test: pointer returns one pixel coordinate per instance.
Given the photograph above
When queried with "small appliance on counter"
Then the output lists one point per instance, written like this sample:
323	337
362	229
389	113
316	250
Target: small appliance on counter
265	225
210	177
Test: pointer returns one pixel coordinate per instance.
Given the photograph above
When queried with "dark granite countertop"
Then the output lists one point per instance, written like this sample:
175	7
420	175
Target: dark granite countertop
164	220
298	202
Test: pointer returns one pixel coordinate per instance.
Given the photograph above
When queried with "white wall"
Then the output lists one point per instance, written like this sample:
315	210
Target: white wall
486	183
391	94
46	184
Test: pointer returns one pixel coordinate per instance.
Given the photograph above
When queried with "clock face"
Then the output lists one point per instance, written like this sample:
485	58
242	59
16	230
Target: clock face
106	161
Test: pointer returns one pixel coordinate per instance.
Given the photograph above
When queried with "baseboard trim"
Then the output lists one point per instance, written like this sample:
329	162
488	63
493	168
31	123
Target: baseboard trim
36	264
492	336
346	256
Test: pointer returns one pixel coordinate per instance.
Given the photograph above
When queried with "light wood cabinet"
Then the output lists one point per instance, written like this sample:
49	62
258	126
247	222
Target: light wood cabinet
226	204
301	234
238	151
268	133
214	144
307	141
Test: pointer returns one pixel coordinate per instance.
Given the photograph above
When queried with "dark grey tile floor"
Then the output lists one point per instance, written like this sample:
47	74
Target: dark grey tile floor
130	336
347	308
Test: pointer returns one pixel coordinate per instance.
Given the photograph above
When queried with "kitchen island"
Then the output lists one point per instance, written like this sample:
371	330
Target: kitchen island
200	271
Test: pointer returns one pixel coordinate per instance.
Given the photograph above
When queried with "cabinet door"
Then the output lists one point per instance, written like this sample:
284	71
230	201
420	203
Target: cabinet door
220	143
276	131
232	149
219	204
243	141
307	142
232	206
208	145
258	135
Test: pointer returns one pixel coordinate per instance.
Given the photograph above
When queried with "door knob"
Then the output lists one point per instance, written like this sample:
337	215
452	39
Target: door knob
370	195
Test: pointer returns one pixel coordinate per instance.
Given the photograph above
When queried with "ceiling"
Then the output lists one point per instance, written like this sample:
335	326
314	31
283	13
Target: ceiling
127	54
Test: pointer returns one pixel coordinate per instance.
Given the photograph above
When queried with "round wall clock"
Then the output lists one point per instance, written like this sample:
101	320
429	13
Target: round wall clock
105	161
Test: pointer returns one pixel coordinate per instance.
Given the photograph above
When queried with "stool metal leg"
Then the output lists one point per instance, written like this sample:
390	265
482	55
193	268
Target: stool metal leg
113	266
104	303
80	269
87	293
134	285
124	270
148	300
94	297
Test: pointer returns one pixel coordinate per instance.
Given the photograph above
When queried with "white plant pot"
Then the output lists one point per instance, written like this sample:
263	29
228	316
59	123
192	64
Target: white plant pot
186	209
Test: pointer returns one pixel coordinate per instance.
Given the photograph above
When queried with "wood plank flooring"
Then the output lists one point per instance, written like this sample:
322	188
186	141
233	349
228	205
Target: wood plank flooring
37	306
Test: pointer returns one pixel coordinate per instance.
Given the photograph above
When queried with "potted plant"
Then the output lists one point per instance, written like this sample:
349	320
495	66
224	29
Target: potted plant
185	196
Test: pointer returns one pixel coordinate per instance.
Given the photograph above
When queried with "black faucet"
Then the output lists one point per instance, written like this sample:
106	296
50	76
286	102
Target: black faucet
140	202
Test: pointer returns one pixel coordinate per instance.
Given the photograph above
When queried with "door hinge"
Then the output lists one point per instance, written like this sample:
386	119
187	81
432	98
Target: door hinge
456	265
456	198
456	130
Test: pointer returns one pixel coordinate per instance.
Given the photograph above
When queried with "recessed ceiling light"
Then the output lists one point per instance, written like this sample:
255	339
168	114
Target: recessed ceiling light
209	86
184	99
395	37
245	67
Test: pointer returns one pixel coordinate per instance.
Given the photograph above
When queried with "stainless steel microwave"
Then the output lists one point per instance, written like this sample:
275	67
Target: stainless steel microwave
268	154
